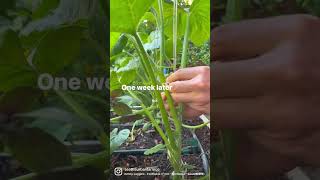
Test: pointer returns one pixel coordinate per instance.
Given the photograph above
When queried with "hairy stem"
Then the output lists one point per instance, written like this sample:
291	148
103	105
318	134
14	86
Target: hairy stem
161	29
184	58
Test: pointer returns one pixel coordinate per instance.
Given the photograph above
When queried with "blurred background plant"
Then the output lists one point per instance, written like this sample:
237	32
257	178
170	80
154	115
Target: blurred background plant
226	11
39	129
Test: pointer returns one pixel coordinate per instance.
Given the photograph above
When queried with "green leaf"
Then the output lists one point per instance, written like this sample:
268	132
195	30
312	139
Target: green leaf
126	77
200	21
133	64
153	41
58	49
169	47
155	149
149	17
146	126
14	68
92	124
55	128
125	99
117	139
168	19
127	71
37	150
145	98
121	109
143	36
114	38
119	45
44	8
68	12
125	15
57	122
114	83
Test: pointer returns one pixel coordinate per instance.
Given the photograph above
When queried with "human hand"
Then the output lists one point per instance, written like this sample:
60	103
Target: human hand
191	87
265	76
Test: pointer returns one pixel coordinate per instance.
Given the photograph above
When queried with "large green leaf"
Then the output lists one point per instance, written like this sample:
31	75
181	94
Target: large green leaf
200	21
117	139
58	49
37	150
14	69
168	19
68	12
125	15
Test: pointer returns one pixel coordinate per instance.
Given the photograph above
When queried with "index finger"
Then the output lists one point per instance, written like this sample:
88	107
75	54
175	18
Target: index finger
186	73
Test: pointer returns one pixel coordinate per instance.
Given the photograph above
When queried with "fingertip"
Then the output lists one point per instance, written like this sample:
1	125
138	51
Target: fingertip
166	106
163	95
169	79
172	87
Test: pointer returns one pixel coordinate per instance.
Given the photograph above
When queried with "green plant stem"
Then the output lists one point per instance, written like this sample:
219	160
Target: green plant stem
148	113
173	111
195	127
184	58
153	79
133	40
173	161
175	154
175	33
161	29
142	111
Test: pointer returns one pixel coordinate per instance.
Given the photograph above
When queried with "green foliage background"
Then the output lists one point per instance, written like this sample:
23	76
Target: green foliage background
66	38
